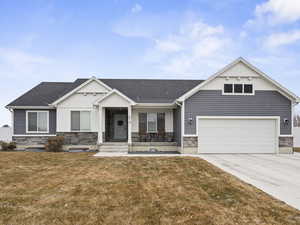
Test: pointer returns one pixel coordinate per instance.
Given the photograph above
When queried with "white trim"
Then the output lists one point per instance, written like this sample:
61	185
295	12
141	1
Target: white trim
277	118
190	135
37	132
79	87
78	131
282	89
286	135
100	128
152	132
155	105
81	131
12	121
129	124
30	107
292	117
34	135
97	102
239	117
182	124
56	120
233	93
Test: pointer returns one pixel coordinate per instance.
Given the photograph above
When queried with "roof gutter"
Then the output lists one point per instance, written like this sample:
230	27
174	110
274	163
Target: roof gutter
30	107
157	105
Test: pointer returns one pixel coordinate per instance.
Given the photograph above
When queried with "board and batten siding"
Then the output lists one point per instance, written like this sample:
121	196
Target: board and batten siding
213	103
20	121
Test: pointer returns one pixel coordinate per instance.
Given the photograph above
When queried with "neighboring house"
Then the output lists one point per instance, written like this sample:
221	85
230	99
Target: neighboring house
297	137
6	133
237	110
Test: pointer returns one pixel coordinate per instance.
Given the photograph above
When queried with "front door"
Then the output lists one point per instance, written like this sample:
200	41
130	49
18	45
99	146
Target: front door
120	126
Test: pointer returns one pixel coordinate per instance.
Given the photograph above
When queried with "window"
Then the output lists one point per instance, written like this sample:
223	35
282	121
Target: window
228	88
248	88
238	88
80	121
37	121
151	122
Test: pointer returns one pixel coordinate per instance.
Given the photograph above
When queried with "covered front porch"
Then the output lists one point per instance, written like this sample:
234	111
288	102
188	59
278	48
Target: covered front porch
116	125
127	126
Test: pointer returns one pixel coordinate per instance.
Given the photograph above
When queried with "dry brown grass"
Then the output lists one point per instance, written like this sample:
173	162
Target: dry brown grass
65	188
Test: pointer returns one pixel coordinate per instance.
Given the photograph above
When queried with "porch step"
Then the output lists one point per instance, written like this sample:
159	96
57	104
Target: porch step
113	147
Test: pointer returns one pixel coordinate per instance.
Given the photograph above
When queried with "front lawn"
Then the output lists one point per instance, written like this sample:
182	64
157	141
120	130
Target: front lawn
76	188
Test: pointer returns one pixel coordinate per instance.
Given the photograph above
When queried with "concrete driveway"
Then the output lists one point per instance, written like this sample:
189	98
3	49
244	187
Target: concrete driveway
277	175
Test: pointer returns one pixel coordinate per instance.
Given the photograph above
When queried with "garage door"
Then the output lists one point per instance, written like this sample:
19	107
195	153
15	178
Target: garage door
237	135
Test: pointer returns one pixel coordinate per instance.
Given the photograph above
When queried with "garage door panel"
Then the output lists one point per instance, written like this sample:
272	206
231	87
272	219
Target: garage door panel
237	135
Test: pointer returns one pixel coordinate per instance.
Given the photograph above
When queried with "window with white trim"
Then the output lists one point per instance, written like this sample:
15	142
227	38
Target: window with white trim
238	89
37	121
152	122
248	88
80	120
228	88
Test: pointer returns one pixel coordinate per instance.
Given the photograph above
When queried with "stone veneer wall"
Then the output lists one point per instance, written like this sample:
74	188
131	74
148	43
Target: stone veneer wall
286	145
30	140
190	145
193	141
79	138
286	142
166	137
190	142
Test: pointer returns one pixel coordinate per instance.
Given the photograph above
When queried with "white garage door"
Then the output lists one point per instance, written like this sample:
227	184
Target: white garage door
237	135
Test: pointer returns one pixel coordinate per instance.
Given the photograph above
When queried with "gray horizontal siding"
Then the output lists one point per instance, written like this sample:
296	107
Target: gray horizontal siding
213	103
20	121
177	125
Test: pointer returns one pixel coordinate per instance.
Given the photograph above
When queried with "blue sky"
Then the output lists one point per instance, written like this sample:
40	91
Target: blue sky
53	40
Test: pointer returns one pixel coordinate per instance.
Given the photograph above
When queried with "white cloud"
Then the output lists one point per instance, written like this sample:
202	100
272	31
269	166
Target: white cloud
136	8
168	46
192	48
284	38
243	34
277	11
14	61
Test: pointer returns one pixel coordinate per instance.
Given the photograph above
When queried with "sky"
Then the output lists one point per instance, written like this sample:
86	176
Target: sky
54	40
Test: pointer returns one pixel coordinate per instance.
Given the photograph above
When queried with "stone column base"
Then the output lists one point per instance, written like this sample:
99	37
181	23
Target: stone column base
286	145
190	145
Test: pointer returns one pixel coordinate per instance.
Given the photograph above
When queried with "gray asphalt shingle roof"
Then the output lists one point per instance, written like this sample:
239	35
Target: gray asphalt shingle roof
139	90
152	91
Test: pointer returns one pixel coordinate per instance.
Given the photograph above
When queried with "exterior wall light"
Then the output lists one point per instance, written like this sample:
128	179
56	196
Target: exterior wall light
286	121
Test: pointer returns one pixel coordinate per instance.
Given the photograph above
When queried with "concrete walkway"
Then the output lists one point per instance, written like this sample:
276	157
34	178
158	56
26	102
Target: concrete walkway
277	175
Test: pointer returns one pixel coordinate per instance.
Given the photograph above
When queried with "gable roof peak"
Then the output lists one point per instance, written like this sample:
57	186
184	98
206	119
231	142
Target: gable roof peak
281	89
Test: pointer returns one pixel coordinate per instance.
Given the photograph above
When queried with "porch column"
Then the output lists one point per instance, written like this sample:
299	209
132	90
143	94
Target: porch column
100	138
129	125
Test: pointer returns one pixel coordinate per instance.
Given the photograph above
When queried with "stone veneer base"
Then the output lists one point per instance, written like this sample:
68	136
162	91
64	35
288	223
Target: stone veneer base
166	137
30	141
159	146
79	138
190	145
